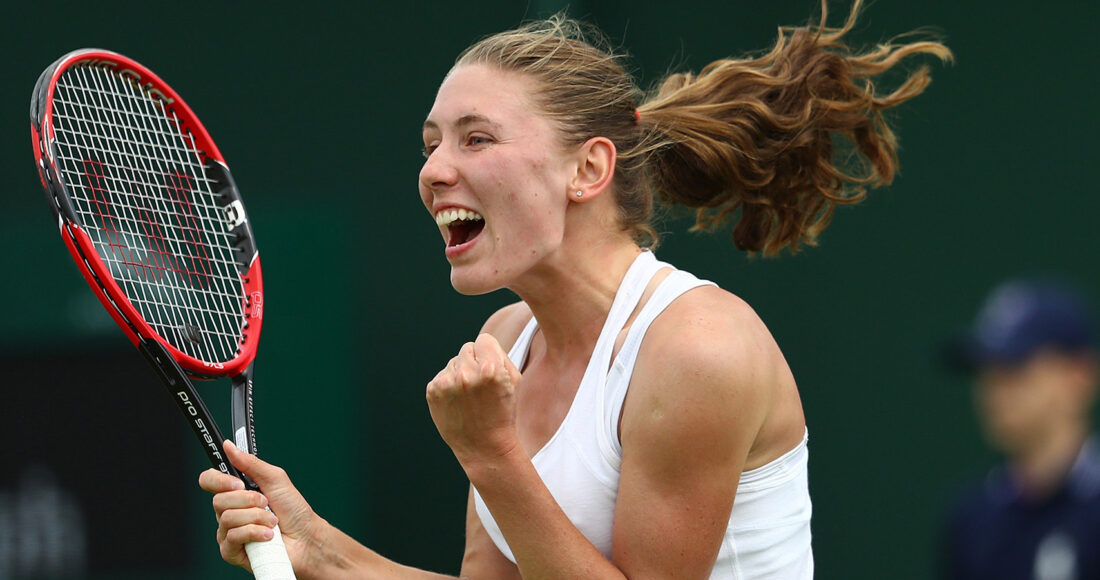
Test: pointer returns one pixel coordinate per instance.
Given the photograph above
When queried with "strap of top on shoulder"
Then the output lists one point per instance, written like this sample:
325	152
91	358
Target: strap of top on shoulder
626	299
618	378
630	292
522	346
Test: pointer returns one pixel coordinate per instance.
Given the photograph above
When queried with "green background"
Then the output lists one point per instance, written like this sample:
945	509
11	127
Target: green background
317	106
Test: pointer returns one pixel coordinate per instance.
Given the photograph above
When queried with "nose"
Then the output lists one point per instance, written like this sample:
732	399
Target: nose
438	171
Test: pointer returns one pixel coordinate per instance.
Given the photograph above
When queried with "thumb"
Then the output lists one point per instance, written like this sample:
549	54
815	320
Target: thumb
296	518
263	473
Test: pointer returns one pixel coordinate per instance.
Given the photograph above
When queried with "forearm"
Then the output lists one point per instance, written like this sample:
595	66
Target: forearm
334	555
532	521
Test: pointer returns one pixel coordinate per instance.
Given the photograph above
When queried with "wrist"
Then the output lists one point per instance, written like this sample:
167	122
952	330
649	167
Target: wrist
331	554
319	556
486	469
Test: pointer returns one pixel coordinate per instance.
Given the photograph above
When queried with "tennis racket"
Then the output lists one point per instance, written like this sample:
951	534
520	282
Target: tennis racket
148	209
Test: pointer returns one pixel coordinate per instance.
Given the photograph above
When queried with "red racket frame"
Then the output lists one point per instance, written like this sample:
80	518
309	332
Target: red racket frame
80	245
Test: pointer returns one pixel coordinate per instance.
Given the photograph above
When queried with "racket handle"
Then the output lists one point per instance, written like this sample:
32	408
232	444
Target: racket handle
269	559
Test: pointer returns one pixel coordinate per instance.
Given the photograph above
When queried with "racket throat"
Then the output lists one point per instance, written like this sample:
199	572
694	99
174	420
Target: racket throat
244	435
187	399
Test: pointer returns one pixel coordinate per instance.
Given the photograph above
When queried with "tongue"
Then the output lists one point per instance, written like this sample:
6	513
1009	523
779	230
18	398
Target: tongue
464	231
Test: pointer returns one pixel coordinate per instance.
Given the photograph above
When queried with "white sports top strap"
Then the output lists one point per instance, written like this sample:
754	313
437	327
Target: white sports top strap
643	269
618	376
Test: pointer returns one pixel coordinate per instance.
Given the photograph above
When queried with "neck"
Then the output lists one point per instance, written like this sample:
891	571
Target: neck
1044	463
571	293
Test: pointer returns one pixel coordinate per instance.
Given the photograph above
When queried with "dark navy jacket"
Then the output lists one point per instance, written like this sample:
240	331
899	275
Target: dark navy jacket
995	532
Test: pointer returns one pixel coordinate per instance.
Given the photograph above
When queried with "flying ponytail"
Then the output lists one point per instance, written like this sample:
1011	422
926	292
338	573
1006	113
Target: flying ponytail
772	144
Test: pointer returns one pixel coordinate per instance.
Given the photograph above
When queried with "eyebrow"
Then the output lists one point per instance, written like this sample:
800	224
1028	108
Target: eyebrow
463	121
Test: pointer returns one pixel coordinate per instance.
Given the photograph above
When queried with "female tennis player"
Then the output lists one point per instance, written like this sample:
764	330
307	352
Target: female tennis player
625	419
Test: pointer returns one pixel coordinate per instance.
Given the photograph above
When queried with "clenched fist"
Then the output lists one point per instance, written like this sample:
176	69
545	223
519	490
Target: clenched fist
473	403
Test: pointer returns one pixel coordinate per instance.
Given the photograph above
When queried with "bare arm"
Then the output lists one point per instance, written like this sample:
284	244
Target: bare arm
687	430
482	560
704	391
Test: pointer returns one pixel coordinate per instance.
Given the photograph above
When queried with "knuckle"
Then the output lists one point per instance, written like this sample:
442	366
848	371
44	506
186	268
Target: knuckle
234	537
226	550
208	480
444	383
223	501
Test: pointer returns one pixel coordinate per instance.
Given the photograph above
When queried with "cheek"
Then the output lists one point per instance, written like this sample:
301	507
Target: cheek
999	401
523	199
535	218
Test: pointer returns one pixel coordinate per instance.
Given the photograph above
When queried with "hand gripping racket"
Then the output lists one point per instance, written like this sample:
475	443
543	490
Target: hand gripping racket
148	209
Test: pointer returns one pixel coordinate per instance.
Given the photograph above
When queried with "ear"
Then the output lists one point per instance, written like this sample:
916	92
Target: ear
595	169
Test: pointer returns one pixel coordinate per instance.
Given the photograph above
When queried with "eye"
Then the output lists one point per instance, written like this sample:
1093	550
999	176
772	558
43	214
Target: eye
477	140
428	149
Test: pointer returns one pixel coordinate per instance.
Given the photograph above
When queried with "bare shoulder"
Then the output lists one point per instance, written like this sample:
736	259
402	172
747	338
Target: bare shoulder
696	404
707	363
507	323
711	328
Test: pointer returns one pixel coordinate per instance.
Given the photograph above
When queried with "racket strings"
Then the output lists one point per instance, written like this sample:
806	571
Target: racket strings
199	269
150	228
140	188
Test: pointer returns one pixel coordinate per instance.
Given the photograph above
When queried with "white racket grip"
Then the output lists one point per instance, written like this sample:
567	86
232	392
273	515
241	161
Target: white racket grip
269	559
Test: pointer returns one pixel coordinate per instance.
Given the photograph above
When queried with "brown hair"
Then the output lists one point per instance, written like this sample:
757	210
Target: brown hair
750	139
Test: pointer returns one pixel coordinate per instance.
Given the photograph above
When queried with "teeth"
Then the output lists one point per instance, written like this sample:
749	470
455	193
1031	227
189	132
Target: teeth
445	217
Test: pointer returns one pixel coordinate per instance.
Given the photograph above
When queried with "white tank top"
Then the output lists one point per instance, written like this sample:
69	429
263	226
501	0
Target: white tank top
768	535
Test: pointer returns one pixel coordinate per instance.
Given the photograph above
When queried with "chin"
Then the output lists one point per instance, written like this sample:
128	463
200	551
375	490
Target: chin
471	286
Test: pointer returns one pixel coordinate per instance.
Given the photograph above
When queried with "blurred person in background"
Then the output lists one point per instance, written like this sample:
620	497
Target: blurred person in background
1032	357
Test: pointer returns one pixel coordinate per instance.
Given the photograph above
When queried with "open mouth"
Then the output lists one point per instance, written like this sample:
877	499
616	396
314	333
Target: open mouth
462	225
